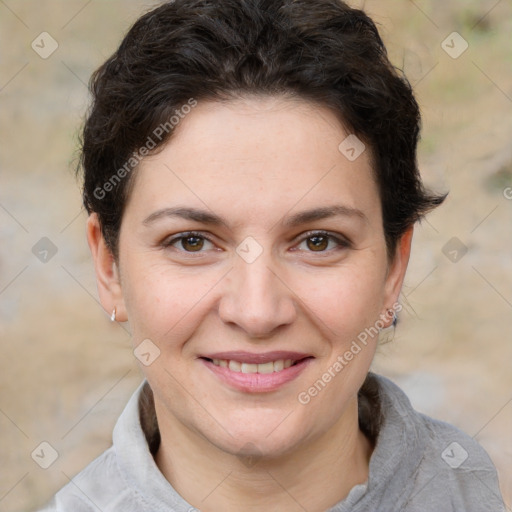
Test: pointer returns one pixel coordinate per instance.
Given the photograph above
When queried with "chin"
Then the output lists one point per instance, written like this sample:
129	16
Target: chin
268	442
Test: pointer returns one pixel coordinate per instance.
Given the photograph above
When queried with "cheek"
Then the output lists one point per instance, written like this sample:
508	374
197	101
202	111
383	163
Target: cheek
163	302
346	300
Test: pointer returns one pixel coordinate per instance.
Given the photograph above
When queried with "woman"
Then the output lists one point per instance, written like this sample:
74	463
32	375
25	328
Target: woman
250	174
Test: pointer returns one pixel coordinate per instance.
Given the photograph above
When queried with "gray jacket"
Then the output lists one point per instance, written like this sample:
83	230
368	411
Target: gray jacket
418	465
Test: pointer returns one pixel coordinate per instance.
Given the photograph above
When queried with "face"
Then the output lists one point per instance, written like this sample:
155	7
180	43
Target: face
252	255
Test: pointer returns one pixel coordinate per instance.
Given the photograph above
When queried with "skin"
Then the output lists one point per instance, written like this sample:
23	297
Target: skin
255	162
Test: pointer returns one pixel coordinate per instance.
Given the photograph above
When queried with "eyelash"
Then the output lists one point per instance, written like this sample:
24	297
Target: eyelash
342	242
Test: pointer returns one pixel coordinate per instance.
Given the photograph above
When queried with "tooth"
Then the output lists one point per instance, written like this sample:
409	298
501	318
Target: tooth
249	368
234	366
271	366
215	362
266	367
278	365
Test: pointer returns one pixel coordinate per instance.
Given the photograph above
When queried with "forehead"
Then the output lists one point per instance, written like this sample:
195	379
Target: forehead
254	156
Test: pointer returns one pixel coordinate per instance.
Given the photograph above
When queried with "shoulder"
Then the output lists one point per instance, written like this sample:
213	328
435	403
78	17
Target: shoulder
105	484
99	486
444	442
460	466
446	469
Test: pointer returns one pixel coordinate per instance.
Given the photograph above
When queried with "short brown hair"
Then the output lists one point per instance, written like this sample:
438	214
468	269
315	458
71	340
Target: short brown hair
320	50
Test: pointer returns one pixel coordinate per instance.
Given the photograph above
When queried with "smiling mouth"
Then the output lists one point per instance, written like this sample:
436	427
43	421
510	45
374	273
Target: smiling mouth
262	368
257	372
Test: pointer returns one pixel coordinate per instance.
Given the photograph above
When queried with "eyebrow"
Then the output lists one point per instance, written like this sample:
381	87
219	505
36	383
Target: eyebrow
304	217
324	213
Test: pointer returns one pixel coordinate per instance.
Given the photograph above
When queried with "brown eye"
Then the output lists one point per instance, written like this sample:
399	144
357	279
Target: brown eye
318	242
324	242
189	243
192	243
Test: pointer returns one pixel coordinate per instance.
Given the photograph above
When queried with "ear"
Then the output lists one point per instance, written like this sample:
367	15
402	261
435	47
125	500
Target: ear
107	274
397	268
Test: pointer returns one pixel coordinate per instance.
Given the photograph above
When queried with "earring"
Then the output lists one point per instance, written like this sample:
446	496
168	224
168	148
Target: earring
387	334
113	316
395	319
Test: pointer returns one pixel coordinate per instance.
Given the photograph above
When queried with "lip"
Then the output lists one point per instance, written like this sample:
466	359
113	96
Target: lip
254	358
257	382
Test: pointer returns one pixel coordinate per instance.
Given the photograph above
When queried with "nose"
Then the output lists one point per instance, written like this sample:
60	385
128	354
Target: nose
256	299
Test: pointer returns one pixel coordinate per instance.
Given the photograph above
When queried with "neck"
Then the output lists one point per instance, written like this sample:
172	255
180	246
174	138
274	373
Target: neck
313	477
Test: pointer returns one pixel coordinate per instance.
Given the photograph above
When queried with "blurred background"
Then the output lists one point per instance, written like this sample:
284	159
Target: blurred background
66	372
